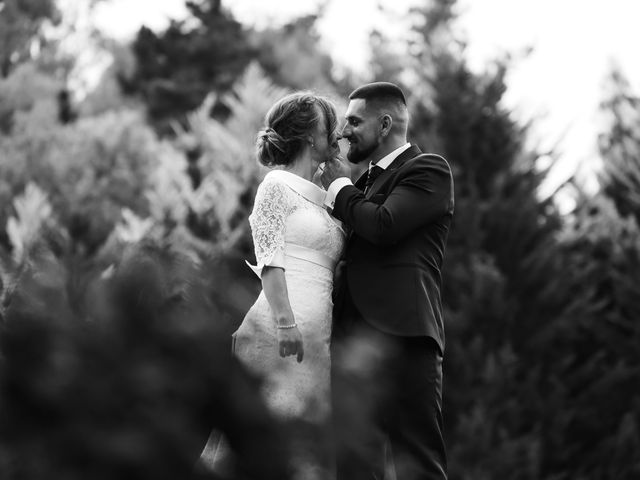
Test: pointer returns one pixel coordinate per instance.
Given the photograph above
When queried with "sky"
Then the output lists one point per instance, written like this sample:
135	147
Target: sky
559	84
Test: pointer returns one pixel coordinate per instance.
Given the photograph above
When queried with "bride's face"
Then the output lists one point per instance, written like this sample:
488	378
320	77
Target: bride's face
325	143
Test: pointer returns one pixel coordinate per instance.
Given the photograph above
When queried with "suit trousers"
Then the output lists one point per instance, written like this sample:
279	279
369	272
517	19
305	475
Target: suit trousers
387	402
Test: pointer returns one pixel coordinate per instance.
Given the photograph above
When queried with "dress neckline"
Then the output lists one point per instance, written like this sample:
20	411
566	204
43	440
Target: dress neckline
307	189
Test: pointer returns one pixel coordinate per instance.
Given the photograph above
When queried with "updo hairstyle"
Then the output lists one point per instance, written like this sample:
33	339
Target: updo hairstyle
288	124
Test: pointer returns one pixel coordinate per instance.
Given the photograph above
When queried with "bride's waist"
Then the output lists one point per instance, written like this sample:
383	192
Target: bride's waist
294	251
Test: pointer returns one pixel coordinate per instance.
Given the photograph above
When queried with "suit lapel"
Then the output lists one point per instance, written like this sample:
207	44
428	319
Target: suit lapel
362	179
411	152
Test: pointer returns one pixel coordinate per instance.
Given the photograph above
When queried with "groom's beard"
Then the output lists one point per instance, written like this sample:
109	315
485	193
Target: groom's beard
358	153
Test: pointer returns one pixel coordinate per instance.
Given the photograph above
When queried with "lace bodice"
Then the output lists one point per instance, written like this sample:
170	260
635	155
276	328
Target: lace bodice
290	210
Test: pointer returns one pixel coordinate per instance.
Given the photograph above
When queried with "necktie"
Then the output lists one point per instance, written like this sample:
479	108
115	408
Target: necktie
374	172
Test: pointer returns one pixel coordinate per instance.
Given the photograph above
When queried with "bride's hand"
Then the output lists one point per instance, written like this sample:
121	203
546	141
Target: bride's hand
290	343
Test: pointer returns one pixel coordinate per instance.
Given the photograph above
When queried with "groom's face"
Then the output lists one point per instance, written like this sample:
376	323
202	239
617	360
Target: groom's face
361	130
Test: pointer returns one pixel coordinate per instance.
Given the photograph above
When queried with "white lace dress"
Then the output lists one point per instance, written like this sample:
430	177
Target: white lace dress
291	229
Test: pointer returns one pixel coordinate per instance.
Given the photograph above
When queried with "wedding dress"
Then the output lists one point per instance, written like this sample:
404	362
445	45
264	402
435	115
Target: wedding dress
291	229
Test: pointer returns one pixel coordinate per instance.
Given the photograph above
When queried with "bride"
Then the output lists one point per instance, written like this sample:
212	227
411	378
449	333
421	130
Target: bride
285	335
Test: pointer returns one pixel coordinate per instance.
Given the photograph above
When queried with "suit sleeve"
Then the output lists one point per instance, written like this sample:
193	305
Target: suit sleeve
423	195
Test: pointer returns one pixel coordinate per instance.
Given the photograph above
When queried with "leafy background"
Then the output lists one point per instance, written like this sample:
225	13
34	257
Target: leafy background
124	234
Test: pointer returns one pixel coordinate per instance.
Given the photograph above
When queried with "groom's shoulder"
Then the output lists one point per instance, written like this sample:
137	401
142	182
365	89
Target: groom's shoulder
429	161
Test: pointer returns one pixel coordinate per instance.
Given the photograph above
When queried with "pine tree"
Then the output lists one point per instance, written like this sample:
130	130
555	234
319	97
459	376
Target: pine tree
291	55
540	363
20	22
179	67
620	146
509	315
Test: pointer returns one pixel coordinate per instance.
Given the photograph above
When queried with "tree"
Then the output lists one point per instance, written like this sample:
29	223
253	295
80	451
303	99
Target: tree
209	220
291	55
25	89
20	22
541	318
515	308
216	209
178	68
386	64
90	170
124	375
620	146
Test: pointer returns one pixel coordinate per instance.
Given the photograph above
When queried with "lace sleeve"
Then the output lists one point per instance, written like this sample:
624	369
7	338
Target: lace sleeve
270	210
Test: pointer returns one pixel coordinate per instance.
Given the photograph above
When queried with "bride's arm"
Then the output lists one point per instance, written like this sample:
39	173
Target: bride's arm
274	285
271	208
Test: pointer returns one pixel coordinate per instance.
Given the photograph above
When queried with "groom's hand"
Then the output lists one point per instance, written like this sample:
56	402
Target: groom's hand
334	168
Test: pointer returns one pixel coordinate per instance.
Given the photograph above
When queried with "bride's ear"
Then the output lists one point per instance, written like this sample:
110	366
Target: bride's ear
311	141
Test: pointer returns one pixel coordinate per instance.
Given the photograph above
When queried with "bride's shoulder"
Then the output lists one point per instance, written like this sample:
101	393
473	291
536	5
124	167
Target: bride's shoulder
280	179
273	180
273	176
273	186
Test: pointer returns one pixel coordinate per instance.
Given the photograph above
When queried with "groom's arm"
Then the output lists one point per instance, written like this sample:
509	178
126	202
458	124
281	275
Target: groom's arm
333	190
422	196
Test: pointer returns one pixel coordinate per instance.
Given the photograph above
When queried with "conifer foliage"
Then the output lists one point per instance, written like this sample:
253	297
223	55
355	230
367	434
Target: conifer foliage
179	67
542	318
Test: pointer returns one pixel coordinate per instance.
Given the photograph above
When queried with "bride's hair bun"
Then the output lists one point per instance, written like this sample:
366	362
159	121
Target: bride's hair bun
288	125
271	147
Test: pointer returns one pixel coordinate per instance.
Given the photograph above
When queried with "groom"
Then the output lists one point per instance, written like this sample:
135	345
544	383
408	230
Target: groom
388	338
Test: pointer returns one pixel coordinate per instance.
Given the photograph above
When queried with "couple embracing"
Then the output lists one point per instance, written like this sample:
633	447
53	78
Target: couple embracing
361	355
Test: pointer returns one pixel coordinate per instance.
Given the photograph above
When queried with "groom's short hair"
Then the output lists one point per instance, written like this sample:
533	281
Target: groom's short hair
379	91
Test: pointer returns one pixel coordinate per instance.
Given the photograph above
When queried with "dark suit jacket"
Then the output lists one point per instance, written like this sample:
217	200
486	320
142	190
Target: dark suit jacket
394	253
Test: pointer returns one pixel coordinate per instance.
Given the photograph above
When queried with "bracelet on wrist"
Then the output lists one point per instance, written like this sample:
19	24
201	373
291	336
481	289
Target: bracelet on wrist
285	327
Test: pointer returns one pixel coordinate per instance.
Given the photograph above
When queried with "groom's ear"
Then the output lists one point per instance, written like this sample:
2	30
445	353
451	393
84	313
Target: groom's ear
385	124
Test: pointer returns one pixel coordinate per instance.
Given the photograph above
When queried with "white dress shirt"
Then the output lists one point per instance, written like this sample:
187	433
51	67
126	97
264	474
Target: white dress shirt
339	183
